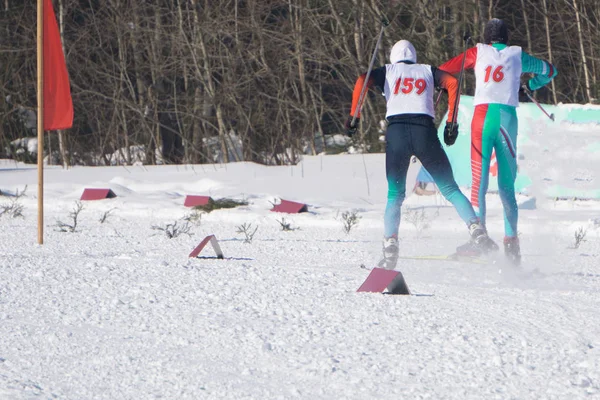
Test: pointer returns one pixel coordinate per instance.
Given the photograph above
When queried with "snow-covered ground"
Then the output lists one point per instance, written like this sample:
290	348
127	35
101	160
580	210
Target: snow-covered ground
117	310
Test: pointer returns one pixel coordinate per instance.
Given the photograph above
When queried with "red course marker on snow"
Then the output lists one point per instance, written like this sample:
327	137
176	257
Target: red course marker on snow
193	201
97	194
290	207
380	279
213	241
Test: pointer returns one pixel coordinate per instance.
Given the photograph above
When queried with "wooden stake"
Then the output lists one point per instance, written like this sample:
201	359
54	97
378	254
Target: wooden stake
40	117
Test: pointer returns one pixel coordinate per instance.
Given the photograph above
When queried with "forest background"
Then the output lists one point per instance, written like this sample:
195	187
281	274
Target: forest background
202	81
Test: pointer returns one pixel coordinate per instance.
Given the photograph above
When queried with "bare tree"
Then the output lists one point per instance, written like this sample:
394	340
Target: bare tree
199	81
583	56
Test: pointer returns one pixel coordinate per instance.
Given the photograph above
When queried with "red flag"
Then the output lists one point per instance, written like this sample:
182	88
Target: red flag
58	105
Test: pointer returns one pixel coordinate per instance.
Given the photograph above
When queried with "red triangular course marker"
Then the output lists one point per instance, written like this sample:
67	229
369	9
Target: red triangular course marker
193	201
97	194
380	279
290	207
213	241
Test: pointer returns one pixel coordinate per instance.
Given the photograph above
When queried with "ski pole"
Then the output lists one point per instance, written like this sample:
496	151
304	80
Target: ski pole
438	98
384	24
530	95
466	38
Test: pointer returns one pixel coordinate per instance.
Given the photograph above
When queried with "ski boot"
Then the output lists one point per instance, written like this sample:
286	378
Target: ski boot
479	244
390	253
512	250
480	238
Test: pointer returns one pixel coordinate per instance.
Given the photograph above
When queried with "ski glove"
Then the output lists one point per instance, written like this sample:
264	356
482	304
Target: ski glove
351	129
450	133
523	89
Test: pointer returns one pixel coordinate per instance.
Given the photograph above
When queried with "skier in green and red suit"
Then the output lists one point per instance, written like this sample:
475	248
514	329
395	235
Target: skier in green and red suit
498	68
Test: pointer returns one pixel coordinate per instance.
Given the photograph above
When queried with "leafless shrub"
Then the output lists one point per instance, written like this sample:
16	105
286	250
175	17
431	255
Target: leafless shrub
74	216
285	225
175	229
13	208
220	204
246	230
350	219
579	237
419	218
275	201
105	215
195	216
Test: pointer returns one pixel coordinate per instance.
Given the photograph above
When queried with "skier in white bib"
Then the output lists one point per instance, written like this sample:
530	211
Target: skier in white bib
408	88
498	68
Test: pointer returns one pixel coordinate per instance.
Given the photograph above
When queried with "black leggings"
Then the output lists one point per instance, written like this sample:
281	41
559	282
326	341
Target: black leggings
418	136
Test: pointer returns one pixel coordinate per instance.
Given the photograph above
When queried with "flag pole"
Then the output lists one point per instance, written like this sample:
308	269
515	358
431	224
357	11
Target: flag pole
40	117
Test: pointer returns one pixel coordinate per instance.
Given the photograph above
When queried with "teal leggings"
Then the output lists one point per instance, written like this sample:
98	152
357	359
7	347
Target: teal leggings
494	128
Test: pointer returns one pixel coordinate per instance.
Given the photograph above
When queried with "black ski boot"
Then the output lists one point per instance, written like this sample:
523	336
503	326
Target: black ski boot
481	239
479	244
512	250
390	253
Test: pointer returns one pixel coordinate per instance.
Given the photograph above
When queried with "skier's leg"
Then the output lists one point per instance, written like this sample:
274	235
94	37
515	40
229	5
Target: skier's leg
485	127
397	159
430	152
506	157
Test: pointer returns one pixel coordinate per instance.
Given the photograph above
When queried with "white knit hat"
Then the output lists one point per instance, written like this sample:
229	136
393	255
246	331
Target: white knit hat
403	50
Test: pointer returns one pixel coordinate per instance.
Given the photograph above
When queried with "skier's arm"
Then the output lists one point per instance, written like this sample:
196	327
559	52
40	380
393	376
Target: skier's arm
544	71
446	81
376	78
453	65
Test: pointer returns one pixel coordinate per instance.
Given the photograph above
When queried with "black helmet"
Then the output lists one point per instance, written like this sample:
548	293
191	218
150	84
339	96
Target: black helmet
495	32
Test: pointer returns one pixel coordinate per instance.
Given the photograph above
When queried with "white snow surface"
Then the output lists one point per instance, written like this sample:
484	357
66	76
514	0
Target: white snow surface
117	310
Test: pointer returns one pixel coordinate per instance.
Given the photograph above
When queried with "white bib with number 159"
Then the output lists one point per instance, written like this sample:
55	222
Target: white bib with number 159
409	89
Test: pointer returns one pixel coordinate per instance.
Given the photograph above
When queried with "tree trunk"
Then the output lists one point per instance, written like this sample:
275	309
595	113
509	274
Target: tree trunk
211	90
319	131
143	98
120	104
303	98
187	124
527	30
195	156
482	20
588	91
593	58
340	25
158	75
358	32
547	22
